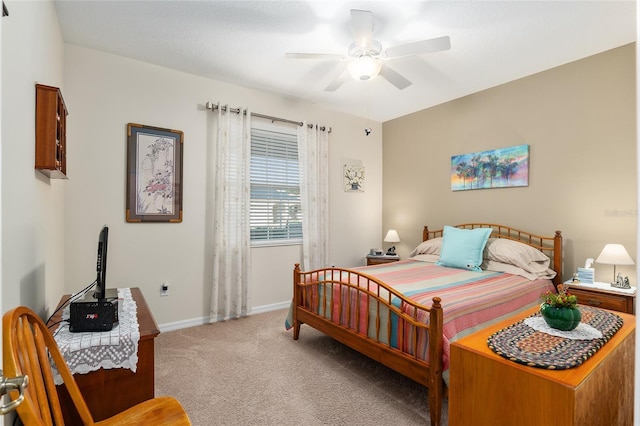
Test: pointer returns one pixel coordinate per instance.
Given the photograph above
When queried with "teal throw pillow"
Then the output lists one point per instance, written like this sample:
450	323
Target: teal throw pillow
463	248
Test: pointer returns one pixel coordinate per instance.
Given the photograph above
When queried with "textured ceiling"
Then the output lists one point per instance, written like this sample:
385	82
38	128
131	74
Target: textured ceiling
244	42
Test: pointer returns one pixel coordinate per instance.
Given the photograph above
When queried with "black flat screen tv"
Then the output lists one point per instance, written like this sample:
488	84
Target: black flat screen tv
101	266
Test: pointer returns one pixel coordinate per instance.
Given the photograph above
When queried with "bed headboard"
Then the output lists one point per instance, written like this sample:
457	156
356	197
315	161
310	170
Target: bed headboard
551	246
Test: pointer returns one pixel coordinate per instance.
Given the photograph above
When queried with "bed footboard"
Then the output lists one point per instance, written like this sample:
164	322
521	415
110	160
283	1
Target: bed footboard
367	315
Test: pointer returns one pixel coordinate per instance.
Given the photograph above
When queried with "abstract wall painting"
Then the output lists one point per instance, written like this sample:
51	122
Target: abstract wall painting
496	168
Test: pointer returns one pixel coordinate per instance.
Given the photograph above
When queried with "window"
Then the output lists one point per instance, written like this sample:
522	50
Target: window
275	185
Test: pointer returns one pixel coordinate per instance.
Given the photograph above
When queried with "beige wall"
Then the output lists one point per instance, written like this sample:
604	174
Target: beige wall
579	120
104	92
32	205
580	123
50	227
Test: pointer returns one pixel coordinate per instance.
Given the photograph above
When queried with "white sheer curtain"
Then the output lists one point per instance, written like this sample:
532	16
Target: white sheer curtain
313	155
231	234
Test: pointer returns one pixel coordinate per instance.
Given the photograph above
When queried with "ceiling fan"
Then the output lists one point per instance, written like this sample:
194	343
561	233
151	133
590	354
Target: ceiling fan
366	56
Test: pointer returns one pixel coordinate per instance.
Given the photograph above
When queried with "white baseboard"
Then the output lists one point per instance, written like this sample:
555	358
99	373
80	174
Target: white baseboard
269	308
177	325
171	326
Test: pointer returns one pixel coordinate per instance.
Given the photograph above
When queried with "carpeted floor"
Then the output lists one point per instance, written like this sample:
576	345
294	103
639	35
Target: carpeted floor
251	372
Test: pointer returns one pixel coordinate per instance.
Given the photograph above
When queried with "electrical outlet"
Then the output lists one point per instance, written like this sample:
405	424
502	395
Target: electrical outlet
164	289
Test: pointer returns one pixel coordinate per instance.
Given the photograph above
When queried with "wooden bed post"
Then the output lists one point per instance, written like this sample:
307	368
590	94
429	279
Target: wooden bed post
296	301
557	258
436	385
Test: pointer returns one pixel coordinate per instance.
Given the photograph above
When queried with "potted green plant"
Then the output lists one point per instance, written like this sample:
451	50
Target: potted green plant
560	310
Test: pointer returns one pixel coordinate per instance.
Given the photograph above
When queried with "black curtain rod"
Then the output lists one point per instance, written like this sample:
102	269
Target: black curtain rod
214	107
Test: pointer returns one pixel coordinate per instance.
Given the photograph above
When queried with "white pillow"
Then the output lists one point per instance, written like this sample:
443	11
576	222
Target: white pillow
431	258
518	254
431	246
491	265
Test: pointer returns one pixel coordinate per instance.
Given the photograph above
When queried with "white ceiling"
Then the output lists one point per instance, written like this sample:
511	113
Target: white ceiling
244	42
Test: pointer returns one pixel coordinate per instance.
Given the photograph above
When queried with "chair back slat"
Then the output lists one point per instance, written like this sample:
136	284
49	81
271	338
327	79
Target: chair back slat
24	367
31	363
47	374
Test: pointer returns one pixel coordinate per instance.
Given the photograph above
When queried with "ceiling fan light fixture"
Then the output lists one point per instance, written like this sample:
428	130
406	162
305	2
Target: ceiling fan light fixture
364	68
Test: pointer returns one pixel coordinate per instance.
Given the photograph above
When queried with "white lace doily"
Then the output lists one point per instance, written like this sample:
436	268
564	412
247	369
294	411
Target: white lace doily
581	332
91	351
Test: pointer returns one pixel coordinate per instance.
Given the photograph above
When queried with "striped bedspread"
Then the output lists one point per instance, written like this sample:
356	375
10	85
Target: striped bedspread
470	300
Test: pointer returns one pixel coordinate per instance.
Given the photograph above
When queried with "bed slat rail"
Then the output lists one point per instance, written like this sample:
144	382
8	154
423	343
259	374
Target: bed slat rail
347	297
354	303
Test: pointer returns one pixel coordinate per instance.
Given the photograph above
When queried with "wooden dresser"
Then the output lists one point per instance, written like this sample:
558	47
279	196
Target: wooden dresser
604	296
485	388
108	392
379	260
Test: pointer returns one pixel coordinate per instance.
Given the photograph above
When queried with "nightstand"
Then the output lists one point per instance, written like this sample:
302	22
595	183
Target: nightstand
378	260
603	295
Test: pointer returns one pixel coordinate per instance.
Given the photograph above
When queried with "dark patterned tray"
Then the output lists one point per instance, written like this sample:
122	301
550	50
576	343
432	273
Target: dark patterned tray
524	345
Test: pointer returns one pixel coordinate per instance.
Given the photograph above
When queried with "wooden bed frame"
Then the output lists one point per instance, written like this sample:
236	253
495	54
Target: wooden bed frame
429	374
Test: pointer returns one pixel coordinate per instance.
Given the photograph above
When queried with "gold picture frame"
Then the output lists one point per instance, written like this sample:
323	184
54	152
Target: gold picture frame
154	174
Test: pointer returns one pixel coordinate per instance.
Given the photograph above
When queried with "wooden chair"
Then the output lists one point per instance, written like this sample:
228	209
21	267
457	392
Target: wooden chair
27	345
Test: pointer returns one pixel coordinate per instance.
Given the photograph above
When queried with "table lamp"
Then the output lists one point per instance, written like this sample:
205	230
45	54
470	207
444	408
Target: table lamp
614	254
392	237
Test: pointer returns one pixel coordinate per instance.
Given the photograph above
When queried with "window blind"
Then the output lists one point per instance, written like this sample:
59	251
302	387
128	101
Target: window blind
275	185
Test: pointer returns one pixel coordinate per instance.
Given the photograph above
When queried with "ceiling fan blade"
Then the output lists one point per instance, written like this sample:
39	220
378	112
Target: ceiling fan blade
337	82
420	47
394	78
362	22
312	56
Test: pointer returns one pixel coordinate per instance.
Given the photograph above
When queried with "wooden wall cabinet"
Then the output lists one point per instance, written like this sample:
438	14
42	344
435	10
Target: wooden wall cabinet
51	139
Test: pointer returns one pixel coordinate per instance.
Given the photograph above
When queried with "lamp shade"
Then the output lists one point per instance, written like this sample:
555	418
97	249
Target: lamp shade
364	68
614	254
392	236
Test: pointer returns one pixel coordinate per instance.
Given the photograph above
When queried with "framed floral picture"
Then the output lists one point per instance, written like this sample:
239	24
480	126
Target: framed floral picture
353	178
154	174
